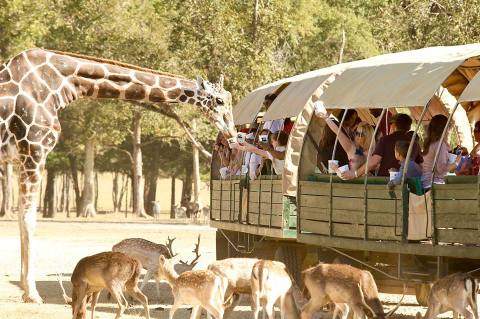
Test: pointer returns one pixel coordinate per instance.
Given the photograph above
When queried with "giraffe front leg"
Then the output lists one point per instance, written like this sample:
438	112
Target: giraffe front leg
27	218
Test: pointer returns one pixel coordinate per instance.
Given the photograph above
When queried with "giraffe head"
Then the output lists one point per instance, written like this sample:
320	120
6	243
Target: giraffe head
220	106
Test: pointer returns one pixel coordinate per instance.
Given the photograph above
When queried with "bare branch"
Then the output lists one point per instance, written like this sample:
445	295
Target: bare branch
130	157
165	109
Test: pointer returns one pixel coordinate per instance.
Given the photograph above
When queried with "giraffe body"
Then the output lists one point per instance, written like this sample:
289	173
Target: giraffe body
36	84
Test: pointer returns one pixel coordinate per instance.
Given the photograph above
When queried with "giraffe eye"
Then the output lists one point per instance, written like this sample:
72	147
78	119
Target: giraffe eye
219	100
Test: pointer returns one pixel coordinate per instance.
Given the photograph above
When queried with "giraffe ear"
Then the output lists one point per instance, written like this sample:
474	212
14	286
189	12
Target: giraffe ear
204	85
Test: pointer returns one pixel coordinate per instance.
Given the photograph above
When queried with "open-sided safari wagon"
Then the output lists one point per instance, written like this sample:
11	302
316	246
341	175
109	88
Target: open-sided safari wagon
304	216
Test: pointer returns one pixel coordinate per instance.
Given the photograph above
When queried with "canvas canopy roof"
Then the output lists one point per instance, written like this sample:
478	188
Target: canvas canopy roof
472	91
407	78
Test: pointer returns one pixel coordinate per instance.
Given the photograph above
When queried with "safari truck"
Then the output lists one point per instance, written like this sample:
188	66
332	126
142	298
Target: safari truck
307	215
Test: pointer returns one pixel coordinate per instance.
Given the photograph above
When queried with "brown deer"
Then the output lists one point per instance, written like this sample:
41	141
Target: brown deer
343	284
113	271
454	292
238	272
271	281
199	288
147	253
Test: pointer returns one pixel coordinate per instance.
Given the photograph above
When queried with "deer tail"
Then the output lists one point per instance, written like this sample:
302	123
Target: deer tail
471	286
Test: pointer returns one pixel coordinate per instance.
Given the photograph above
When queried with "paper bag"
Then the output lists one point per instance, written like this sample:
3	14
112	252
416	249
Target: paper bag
420	216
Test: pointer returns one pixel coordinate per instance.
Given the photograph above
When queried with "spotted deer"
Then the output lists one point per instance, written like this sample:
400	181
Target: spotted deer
148	252
454	292
113	271
199	288
238	272
343	284
270	282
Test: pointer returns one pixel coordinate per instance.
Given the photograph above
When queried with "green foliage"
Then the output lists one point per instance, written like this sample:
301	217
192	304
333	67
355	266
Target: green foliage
209	38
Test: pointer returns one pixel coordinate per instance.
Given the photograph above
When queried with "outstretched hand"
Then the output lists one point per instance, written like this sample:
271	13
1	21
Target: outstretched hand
320	110
346	175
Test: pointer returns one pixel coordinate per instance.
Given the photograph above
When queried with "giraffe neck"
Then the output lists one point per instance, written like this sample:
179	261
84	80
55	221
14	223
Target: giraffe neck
55	80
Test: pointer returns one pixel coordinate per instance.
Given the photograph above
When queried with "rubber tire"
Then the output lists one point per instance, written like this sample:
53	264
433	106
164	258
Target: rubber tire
422	291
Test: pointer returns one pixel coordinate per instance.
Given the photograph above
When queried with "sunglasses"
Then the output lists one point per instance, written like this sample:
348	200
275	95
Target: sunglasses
359	134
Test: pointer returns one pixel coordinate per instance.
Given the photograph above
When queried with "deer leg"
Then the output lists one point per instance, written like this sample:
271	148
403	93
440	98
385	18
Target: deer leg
433	310
217	313
467	314
27	219
157	286
146	278
79	301
172	310
282	307
95	296
233	299
255	305
312	306
138	295
358	310
269	309
195	312
119	298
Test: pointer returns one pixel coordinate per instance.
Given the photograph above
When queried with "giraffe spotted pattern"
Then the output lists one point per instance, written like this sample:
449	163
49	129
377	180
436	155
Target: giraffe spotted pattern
37	83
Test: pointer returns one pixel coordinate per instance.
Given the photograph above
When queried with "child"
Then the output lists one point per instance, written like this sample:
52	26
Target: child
413	169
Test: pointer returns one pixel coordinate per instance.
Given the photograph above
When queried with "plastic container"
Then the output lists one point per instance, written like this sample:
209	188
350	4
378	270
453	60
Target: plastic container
332	166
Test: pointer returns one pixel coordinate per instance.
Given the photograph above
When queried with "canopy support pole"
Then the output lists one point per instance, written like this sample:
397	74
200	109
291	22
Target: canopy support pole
330	223
434	167
404	172
365	179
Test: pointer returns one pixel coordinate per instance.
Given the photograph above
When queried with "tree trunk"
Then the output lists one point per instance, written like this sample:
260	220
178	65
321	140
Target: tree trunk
196	169
115	192
49	208
172	199
137	180
7	190
76	186
67	195
96	191
187	188
151	191
87	204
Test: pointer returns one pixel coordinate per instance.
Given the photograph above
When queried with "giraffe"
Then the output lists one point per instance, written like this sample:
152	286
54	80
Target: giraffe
37	83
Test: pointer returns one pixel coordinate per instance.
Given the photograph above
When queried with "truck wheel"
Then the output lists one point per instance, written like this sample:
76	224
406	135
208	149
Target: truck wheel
291	257
422	291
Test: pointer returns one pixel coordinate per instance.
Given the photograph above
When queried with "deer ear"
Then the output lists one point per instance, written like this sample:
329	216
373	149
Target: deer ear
161	260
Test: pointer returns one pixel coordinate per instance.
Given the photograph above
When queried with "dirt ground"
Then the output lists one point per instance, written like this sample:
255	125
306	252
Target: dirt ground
61	244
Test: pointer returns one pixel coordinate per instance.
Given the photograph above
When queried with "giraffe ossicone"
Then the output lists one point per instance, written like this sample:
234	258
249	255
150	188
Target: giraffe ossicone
37	83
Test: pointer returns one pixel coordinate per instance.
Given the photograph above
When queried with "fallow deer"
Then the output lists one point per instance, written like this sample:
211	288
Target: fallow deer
454	292
199	288
113	271
238	272
271	281
147	253
343	284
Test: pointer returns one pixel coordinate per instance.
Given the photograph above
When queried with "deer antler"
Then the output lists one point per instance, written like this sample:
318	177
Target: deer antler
168	244
197	255
67	299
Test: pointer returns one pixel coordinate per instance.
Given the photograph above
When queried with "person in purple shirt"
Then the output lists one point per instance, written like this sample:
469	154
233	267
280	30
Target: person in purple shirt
383	157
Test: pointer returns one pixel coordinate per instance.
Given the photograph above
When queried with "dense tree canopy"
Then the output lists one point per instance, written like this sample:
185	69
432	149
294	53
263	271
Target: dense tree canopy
250	42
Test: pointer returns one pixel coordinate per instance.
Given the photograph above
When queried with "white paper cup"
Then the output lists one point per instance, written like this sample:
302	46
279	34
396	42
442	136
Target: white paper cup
244	169
241	137
451	158
393	175
332	166
343	169
224	172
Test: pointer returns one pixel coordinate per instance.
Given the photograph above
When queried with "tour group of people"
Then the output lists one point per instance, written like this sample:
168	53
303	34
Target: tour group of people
391	145
260	148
